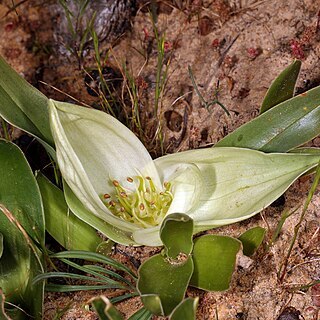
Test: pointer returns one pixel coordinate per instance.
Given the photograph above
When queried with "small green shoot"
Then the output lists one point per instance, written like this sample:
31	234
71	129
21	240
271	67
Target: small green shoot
100	277
79	36
205	103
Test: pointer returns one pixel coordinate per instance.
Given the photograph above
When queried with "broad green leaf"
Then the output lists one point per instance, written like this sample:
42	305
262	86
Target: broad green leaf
71	232
281	128
214	260
186	310
141	314
105	309
251	240
166	279
282	88
176	234
114	233
21	201
22	105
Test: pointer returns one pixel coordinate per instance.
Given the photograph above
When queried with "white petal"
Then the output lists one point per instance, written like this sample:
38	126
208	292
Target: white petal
187	186
148	237
92	148
238	183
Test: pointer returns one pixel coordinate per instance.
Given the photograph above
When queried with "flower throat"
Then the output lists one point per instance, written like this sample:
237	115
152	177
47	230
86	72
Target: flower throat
146	206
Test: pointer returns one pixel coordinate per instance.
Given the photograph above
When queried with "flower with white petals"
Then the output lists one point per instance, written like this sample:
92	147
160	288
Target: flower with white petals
113	184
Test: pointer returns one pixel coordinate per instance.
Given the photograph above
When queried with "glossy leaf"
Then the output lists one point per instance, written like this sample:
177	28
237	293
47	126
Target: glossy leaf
22	105
105	309
282	88
251	240
186	310
214	260
21	201
281	128
176	234
165	278
71	232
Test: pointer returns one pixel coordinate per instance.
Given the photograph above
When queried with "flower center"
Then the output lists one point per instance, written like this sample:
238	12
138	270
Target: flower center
146	206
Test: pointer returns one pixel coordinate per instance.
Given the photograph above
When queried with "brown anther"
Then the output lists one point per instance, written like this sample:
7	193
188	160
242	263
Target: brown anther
112	203
123	194
122	209
116	183
148	178
165	184
141	206
161	193
106	196
152	203
129	179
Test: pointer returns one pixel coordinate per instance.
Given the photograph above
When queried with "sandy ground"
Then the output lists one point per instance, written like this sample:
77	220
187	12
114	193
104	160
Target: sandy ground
235	49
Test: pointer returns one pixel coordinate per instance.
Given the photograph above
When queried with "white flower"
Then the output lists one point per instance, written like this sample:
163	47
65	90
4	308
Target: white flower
125	194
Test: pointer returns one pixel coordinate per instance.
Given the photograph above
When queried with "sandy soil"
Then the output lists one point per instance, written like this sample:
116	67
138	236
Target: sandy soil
235	49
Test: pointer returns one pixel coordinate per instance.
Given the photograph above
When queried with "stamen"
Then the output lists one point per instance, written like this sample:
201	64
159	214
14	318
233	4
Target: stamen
146	206
116	183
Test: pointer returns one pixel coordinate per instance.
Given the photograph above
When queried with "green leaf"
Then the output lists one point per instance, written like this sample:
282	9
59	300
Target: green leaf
163	282
20	202
282	88
94	257
251	240
141	314
214	260
281	128
105	309
22	105
176	234
71	232
186	310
